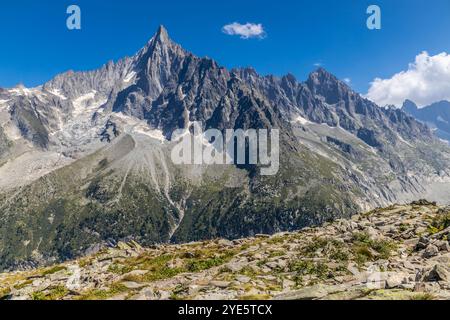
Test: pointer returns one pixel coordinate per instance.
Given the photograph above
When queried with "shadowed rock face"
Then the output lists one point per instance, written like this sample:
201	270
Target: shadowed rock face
95	147
436	115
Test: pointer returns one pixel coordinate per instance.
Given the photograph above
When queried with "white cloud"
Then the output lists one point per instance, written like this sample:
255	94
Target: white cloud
245	31
348	80
426	81
317	64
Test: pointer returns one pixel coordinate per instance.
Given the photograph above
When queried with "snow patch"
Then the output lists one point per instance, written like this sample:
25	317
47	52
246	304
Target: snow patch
12	132
134	125
129	77
440	119
78	130
3	105
58	93
83	103
302	120
331	127
404	141
155	134
22	91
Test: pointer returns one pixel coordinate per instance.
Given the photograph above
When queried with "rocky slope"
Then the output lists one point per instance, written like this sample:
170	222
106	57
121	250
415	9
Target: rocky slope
401	252
85	158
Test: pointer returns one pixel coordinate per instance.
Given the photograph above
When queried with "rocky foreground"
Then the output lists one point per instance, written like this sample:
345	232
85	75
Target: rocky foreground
401	252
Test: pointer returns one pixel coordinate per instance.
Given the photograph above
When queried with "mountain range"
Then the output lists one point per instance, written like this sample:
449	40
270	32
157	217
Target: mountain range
85	158
436	116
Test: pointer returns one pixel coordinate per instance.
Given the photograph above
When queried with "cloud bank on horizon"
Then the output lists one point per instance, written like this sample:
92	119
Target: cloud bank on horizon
426	81
245	31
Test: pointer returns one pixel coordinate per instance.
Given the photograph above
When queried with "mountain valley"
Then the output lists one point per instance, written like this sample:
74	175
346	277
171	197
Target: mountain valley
85	158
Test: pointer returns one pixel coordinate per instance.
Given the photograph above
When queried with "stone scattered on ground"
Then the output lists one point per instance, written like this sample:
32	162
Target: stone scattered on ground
398	253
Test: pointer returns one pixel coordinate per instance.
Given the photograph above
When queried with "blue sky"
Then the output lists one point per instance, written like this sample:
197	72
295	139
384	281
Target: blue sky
36	45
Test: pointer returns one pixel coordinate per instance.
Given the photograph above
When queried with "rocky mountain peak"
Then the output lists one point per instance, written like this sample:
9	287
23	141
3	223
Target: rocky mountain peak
320	76
436	116
290	77
323	78
160	41
409	106
162	35
323	83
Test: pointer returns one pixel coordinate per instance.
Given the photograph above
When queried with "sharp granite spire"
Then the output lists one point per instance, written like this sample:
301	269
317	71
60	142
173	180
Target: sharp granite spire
162	35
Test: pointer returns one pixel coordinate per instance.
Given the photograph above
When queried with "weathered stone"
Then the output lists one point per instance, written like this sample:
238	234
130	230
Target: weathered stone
395	279
119	297
288	284
438	273
144	294
310	293
442	234
443	246
135	245
277	264
430	251
220	284
132	285
408	265
134	273
374	234
225	243
123	246
422	244
353	269
243	279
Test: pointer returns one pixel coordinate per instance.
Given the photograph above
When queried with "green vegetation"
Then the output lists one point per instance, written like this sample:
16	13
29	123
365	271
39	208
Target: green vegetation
53	270
205	264
423	296
96	294
119	268
50	294
179	292
249	272
304	267
333	249
158	268
366	249
23	284
275	254
169	265
440	223
4	292
315	245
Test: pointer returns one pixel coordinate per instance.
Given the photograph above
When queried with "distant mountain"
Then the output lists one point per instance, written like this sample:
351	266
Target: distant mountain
436	116
85	158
